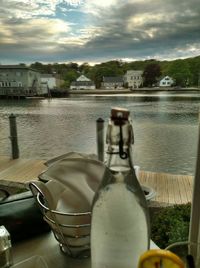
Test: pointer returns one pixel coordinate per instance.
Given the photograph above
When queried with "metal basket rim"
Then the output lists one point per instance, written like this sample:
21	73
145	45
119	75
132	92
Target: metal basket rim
71	214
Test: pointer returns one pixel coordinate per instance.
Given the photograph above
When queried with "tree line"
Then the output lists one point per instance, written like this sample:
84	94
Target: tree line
185	72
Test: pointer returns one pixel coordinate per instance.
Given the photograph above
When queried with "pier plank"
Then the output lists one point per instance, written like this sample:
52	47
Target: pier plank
20	170
170	189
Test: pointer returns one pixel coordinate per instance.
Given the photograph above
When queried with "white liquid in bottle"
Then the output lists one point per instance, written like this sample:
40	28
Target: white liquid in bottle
117	217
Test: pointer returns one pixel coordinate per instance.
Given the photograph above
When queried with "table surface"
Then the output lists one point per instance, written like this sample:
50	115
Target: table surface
48	248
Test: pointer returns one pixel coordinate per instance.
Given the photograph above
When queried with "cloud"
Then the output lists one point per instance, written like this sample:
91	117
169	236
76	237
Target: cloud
96	7
36	31
145	28
67	30
25	9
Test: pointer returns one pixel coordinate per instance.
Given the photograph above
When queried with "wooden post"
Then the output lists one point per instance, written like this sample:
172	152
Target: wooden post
13	136
48	91
100	138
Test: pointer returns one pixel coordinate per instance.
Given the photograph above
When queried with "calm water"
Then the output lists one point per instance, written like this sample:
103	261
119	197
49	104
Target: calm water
165	128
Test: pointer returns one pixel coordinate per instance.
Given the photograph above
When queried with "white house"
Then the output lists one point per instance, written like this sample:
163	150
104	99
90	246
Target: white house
166	81
82	82
133	78
83	78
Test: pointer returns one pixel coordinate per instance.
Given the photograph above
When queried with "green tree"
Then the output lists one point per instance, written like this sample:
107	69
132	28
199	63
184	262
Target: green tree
70	76
97	73
110	68
151	73
37	66
73	66
194	65
180	72
84	68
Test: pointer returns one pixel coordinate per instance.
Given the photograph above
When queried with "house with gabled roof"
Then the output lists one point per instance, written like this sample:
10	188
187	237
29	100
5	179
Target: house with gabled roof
166	81
81	83
112	82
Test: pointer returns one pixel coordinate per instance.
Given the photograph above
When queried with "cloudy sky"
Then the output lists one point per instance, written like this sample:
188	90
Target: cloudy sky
98	30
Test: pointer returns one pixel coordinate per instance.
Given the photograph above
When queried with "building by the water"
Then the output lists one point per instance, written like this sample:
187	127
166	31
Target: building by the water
112	82
52	80
133	78
82	82
20	81
166	81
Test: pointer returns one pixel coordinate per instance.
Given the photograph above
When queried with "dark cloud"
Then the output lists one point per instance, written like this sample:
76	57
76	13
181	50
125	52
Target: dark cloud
128	29
176	25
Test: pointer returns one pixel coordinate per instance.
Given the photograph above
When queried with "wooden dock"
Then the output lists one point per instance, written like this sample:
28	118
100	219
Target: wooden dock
20	170
170	189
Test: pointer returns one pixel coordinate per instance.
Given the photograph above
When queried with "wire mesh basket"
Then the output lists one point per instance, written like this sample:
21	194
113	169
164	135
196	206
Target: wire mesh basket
65	193
71	230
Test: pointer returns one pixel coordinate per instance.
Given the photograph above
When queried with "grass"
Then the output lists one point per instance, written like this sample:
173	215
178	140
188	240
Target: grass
170	225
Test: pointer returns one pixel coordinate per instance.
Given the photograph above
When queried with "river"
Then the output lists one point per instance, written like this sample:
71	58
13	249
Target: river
165	127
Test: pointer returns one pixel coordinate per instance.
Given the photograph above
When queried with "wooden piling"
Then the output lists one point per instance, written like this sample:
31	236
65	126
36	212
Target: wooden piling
100	138
13	136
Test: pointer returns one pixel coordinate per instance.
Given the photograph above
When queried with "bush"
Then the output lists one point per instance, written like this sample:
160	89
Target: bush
170	225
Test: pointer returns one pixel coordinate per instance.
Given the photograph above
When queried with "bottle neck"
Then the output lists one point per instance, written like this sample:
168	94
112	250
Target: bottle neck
119	140
117	162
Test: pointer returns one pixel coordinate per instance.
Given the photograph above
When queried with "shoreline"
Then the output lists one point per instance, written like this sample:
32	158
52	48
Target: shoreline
135	91
146	92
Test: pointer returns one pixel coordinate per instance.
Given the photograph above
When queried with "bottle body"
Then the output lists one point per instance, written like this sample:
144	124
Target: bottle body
120	220
119	228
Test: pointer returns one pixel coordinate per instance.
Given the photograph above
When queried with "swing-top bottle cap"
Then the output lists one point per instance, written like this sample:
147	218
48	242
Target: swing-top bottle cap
118	113
119	128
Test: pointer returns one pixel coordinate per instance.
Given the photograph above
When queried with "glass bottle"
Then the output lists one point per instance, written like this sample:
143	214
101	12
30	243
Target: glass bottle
120	219
5	248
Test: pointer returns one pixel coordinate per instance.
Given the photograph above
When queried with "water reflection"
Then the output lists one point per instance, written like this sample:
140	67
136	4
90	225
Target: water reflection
165	131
